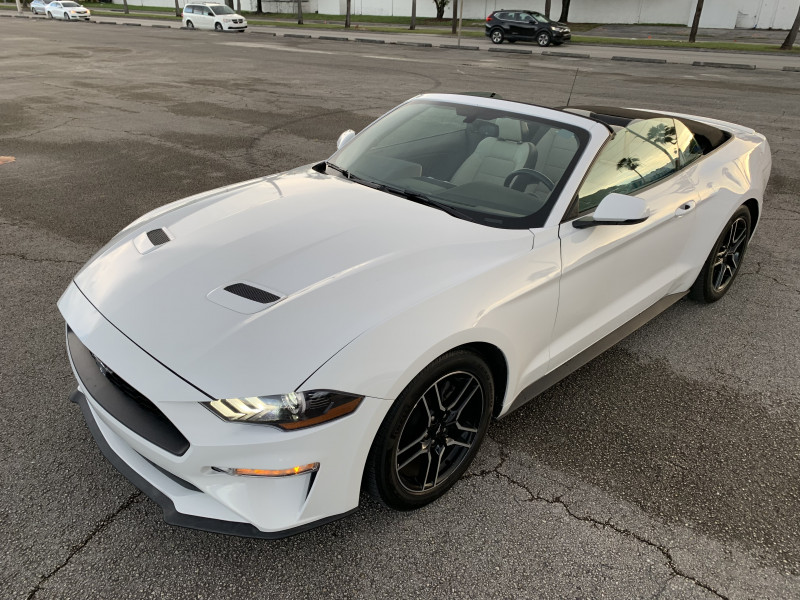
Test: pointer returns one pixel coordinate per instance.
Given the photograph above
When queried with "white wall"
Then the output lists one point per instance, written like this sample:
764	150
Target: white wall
764	14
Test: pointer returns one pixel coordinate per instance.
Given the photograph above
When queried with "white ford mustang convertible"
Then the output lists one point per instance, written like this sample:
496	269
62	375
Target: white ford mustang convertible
254	356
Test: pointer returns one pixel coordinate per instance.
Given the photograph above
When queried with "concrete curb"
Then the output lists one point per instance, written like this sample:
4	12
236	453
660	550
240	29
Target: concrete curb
333	38
511	50
133	24
297	35
657	61
455	47
565	54
797	69
162	26
698	63
272	33
417	44
106	22
370	41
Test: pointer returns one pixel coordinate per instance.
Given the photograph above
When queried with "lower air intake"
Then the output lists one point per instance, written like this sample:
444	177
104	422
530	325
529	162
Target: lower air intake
251	293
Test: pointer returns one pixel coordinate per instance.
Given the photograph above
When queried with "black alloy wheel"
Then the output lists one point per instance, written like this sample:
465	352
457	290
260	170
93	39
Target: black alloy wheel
431	433
543	38
725	259
496	35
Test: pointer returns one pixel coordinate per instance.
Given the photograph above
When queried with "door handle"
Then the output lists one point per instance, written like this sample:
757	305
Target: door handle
685	208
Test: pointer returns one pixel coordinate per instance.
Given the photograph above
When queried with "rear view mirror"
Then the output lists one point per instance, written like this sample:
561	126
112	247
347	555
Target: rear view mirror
615	209
345	138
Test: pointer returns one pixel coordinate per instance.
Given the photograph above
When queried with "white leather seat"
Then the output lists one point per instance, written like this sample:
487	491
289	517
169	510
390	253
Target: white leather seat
556	149
494	158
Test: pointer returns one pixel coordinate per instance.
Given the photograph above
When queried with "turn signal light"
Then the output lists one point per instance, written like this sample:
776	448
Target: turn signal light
309	468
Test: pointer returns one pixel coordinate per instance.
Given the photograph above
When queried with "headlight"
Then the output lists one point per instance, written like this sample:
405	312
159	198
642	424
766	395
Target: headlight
227	20
294	410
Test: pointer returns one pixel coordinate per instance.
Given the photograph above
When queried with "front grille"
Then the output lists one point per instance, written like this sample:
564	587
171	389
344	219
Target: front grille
124	402
251	293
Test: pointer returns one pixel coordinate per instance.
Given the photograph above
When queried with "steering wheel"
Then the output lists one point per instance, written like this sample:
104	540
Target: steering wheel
524	176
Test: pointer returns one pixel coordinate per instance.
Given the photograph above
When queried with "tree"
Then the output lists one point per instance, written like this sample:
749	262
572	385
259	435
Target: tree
455	17
440	4
299	12
631	163
564	11
177	9
547	7
347	18
259	10
413	15
696	22
789	41
125	4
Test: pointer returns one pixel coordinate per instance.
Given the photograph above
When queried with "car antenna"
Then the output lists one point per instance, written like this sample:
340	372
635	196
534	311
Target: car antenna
574	79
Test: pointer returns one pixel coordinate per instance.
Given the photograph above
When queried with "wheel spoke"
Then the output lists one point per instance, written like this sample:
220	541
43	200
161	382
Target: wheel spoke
427	470
718	282
416	455
451	442
438	468
419	440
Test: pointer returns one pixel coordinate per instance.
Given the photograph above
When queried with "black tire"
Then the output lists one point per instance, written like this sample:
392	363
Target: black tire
557	43
725	259
496	35
218	26
424	427
543	38
189	25
49	15
66	17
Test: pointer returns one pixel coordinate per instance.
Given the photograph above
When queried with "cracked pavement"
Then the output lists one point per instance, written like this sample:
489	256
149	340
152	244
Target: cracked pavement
666	468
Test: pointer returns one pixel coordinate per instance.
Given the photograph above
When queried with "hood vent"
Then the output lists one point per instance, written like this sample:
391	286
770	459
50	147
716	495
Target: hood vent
251	293
157	237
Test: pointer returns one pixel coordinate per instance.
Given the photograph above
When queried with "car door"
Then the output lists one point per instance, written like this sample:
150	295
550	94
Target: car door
55	10
611	273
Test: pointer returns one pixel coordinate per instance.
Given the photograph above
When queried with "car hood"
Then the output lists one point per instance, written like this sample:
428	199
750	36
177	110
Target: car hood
341	257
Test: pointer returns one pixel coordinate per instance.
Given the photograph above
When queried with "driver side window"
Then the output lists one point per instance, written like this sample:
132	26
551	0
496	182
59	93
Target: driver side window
639	154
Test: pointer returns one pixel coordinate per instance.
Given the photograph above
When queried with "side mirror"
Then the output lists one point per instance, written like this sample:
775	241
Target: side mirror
345	138
615	209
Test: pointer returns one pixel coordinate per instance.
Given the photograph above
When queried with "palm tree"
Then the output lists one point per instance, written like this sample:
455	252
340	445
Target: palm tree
696	21
347	18
125	4
564	11
299	12
631	163
413	15
789	41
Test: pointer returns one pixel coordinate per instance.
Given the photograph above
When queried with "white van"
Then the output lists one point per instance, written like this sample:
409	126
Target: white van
208	15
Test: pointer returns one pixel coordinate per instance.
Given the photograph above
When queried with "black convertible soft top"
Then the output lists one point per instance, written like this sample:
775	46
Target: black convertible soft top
708	136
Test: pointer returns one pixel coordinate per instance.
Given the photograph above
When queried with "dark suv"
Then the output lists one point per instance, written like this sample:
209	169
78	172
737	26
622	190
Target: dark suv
513	25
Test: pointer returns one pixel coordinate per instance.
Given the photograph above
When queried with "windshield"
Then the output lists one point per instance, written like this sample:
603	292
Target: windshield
497	168
69	4
222	10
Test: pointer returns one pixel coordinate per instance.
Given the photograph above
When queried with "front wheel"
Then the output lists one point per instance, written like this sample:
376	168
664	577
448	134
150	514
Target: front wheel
49	15
496	35
725	259
543	39
218	26
431	433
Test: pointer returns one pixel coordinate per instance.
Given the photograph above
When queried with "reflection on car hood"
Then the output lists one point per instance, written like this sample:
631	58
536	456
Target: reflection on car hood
341	256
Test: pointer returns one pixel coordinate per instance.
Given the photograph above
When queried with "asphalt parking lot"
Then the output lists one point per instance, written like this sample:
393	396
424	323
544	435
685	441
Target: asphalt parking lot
668	467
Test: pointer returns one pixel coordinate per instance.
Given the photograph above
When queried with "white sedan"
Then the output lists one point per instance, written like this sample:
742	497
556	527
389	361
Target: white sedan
67	10
252	356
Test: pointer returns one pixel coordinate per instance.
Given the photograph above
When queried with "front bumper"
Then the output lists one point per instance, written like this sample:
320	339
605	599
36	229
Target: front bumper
179	477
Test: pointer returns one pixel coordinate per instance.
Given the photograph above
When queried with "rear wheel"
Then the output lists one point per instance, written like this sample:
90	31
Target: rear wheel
431	433
725	259
189	25
496	35
543	38
218	26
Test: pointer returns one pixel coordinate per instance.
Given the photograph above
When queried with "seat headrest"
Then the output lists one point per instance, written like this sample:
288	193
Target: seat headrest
509	129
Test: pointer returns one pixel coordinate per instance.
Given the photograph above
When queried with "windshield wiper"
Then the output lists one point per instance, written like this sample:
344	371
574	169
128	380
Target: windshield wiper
339	169
426	200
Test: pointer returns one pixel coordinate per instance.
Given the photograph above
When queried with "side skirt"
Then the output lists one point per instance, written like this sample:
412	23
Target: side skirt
593	351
